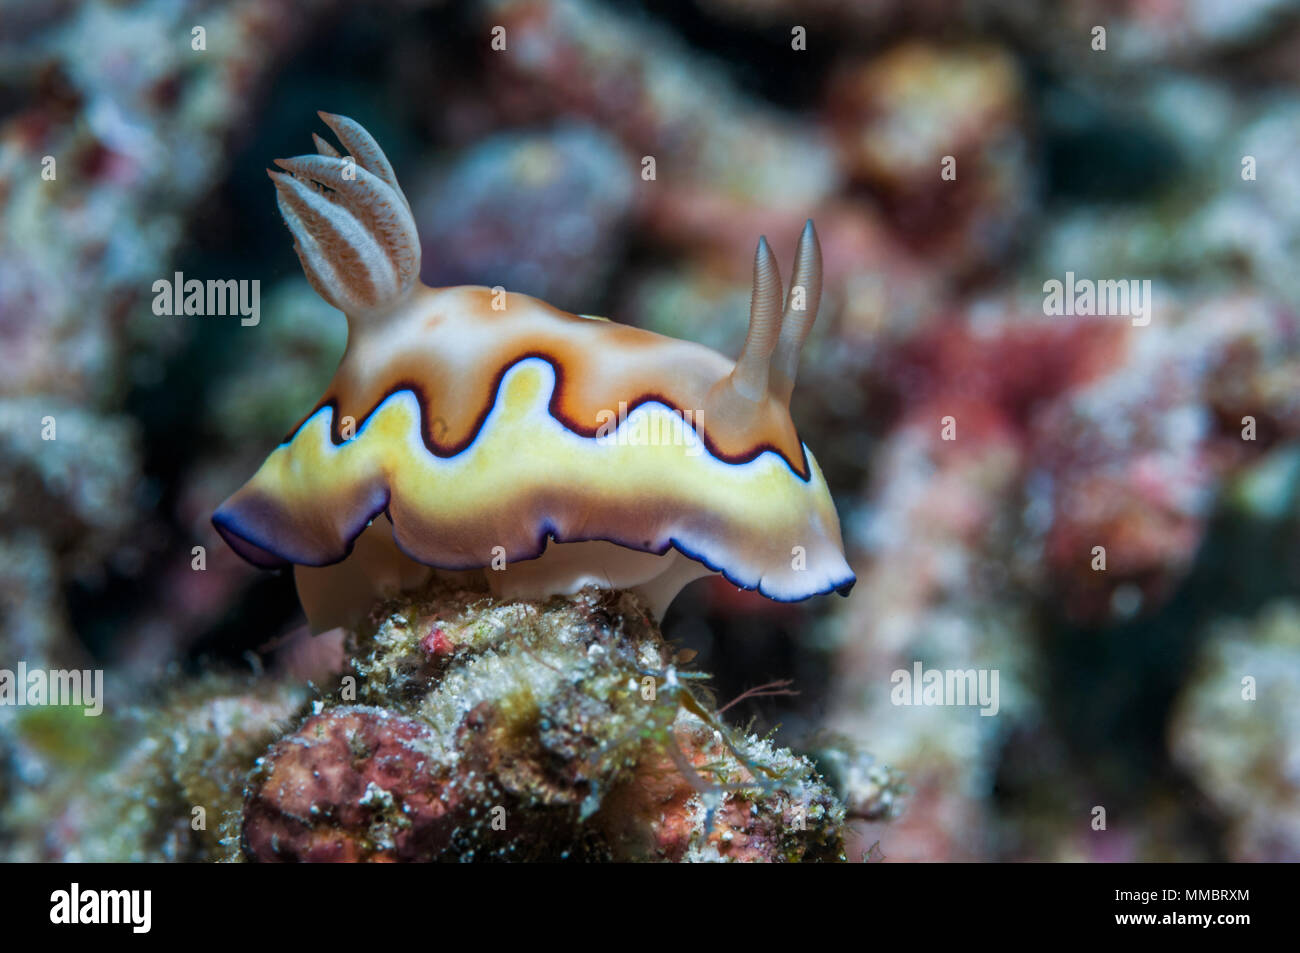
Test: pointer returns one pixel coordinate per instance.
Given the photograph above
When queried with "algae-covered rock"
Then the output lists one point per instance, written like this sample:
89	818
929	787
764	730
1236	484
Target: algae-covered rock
1236	731
463	728
471	728
160	781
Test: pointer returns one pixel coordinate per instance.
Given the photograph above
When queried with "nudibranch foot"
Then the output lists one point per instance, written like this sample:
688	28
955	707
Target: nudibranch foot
474	430
567	568
339	595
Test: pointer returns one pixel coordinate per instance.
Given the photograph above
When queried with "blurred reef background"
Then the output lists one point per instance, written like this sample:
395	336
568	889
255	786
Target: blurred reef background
1120	688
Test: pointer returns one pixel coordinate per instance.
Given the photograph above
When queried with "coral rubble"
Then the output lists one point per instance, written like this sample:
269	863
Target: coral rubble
463	728
477	729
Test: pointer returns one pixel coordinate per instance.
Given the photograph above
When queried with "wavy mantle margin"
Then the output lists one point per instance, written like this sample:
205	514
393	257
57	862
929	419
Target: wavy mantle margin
445	451
256	549
240	541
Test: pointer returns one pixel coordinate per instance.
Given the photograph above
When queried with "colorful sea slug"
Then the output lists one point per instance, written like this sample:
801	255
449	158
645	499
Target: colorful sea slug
472	430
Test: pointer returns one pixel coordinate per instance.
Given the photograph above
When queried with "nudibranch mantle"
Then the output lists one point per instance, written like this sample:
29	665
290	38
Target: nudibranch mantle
469	429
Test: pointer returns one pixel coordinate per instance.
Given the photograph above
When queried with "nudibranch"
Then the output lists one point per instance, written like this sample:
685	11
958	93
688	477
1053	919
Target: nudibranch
468	429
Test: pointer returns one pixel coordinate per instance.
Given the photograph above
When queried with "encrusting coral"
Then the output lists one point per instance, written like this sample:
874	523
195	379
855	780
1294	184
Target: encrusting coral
475	728
160	782
1236	730
462	727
